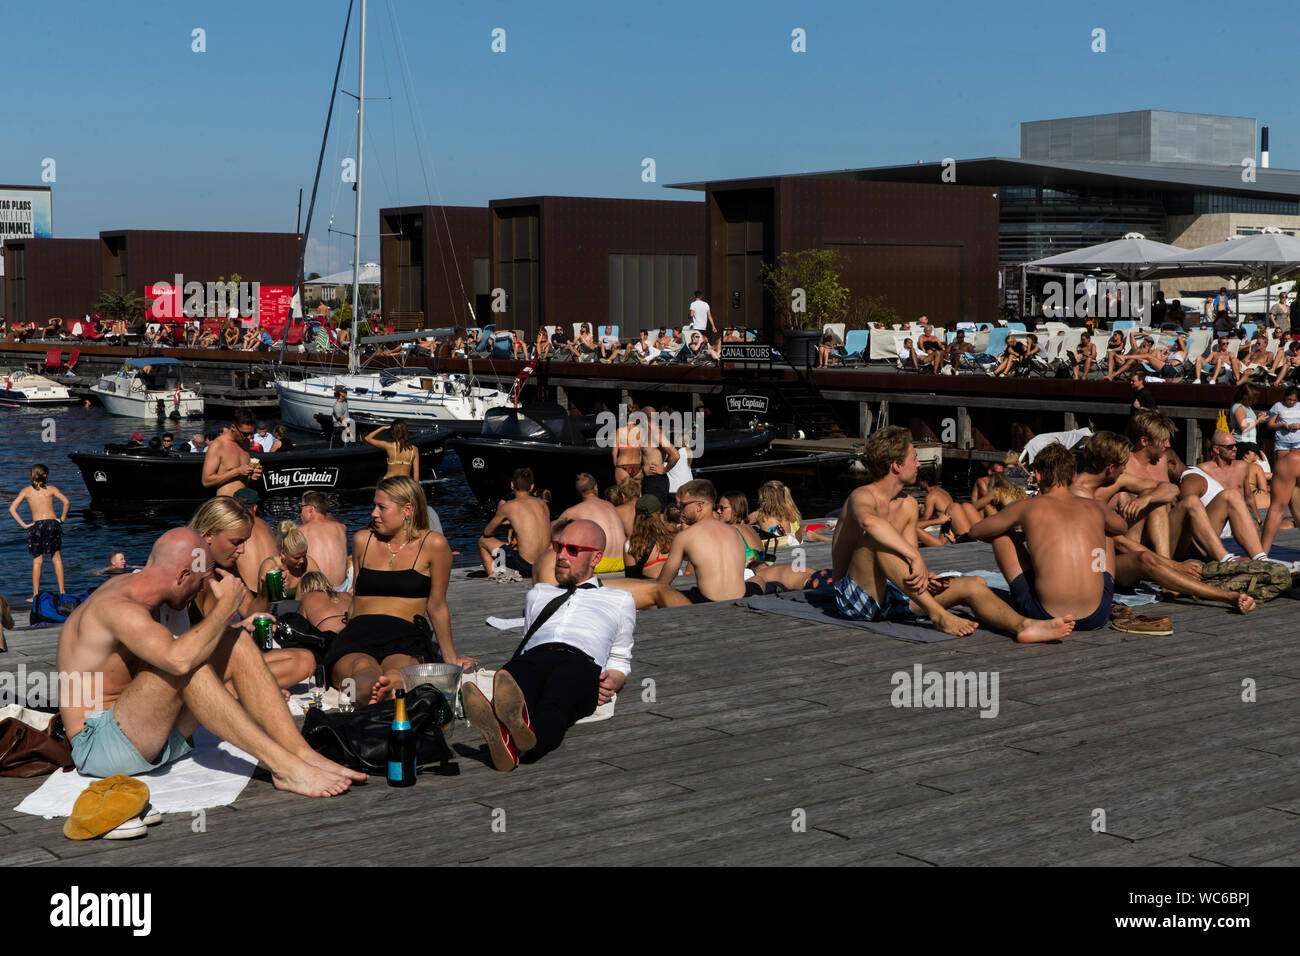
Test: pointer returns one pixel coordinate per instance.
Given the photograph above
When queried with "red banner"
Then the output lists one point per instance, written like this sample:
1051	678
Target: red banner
273	303
167	303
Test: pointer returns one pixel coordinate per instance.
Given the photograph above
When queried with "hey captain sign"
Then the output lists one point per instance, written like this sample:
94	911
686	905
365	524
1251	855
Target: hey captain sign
301	478
744	352
747	403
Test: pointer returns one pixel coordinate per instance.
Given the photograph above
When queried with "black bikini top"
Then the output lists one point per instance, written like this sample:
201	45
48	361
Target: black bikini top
397	584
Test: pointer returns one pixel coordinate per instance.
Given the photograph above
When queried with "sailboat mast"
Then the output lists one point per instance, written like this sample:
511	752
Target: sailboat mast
356	242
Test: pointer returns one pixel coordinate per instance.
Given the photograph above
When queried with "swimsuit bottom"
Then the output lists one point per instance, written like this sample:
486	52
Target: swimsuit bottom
856	603
1027	603
381	636
45	537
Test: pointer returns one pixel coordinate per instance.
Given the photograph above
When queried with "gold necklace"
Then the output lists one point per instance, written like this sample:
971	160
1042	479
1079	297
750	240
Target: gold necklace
392	555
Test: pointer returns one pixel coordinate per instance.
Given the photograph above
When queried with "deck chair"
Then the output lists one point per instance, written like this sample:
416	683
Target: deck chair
836	329
502	345
71	364
994	346
856	344
53	360
1017	327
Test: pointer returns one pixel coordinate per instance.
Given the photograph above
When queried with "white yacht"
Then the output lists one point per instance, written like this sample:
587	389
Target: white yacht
413	394
21	387
149	387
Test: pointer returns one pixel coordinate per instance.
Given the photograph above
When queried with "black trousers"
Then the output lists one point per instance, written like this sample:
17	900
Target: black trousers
657	485
560	684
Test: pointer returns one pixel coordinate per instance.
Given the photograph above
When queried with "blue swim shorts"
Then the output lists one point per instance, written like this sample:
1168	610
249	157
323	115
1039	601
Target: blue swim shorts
100	749
856	604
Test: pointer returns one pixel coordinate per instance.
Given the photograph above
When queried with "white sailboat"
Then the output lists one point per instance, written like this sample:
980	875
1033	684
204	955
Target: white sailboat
417	395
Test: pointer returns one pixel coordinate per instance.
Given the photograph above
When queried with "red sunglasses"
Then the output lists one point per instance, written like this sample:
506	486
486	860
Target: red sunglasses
573	550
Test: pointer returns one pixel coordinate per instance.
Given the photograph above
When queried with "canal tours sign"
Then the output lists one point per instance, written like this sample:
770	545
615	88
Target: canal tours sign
746	352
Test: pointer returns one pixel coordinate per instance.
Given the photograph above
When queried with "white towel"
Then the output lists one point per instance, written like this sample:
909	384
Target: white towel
506	623
213	775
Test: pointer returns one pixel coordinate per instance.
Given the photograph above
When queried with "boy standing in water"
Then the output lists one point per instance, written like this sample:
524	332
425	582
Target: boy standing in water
45	533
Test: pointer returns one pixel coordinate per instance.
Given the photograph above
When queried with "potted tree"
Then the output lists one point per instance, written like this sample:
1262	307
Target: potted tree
806	290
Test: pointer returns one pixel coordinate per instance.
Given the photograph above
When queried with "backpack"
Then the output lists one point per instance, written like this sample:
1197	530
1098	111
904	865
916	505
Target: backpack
51	608
1262	580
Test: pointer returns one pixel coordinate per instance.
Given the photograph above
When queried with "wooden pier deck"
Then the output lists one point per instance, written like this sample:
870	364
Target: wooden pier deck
759	721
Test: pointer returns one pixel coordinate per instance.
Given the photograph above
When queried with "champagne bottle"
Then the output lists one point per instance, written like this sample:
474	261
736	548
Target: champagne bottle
401	746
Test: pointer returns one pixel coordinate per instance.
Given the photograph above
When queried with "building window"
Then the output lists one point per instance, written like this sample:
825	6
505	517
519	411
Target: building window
650	291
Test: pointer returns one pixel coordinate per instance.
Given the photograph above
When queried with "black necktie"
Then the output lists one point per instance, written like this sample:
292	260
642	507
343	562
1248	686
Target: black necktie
549	610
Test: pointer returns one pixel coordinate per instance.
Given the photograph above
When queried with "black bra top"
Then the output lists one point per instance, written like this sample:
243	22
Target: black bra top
397	584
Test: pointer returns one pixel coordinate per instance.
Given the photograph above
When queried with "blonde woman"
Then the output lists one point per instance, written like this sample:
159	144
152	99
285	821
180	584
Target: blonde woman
401	570
777	513
326	608
292	558
225	524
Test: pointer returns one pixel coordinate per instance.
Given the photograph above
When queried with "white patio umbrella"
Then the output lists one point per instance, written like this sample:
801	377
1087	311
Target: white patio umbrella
1134	257
1260	255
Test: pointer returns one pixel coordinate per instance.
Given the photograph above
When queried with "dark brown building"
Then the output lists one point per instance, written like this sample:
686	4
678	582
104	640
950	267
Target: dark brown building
633	263
50	277
927	249
434	263
136	258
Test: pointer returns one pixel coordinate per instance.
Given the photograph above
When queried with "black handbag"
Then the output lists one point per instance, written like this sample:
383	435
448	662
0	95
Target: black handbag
359	740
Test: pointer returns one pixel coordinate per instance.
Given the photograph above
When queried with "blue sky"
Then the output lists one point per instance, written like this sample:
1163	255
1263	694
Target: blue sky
147	133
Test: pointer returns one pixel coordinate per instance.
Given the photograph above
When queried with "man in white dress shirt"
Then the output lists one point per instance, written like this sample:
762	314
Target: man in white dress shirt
576	655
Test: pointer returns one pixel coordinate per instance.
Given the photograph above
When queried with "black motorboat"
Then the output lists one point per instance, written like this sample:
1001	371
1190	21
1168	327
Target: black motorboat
558	447
122	476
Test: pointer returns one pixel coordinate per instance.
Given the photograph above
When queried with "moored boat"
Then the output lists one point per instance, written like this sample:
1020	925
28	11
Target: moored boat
22	387
133	477
148	387
558	447
413	394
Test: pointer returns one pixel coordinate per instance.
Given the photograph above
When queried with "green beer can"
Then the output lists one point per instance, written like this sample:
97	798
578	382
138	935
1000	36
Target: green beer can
263	625
275	585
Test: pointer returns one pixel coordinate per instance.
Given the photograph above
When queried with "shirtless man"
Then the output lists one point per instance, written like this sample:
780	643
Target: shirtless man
1217	361
226	465
327	539
931	347
592	507
1151	459
1210	495
163	678
259	545
878	570
1064	564
530	521
715	550
1103	476
658	457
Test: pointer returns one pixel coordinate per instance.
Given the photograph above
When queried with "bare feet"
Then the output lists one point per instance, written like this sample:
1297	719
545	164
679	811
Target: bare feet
329	766
1034	632
1245	603
310	781
382	690
950	623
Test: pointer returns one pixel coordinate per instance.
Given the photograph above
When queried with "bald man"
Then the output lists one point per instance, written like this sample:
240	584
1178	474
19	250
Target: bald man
591	507
575	655
162	678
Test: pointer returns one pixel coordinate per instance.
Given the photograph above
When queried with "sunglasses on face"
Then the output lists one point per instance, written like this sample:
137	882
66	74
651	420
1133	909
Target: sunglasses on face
572	550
